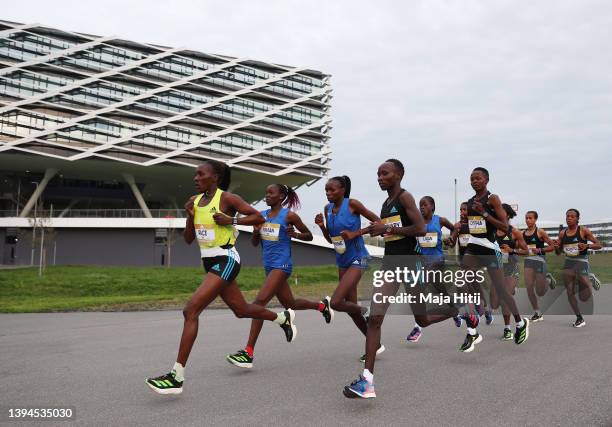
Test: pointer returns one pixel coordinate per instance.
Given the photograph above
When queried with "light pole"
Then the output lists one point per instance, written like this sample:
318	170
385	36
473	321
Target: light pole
34	226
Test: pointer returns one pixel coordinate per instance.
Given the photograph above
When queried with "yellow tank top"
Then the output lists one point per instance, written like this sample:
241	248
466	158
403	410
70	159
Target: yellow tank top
208	233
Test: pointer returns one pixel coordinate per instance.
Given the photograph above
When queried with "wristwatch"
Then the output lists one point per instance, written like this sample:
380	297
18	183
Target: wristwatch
388	230
485	214
235	220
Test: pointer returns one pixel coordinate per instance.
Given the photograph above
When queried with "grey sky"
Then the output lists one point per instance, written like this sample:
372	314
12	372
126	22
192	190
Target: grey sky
523	89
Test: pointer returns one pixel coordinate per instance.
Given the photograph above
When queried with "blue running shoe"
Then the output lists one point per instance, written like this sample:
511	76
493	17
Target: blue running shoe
359	389
457	320
488	317
415	334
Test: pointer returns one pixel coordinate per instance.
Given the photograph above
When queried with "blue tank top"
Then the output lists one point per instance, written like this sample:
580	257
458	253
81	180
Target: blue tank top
275	243
431	243
346	251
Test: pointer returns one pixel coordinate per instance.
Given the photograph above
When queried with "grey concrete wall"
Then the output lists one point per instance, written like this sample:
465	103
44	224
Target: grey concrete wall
136	247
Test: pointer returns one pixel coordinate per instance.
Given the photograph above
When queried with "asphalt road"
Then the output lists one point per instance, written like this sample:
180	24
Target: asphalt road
97	362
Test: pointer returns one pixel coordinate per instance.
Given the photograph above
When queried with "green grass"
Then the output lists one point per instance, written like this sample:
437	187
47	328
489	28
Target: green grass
70	288
93	287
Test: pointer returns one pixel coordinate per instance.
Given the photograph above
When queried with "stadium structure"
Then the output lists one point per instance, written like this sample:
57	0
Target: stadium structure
100	137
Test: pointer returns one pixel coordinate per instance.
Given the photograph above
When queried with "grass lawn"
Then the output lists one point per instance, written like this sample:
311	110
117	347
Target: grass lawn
83	288
69	288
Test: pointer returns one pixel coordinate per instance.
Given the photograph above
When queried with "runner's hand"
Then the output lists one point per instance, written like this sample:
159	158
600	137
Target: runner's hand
478	207
257	228
189	206
222	219
291	231
319	220
348	235
583	246
377	228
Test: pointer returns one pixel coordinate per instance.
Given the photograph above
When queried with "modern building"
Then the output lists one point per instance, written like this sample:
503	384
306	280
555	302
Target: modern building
100	136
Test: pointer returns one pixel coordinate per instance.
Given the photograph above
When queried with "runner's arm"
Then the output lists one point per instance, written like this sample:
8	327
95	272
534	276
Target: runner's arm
591	238
304	233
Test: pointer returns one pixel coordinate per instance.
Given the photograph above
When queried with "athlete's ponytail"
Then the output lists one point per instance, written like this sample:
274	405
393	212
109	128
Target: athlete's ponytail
223	172
509	211
345	182
290	199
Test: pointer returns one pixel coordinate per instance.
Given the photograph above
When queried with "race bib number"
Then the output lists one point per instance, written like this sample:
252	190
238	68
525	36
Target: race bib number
205	233
571	249
463	240
532	249
270	231
392	221
430	240
339	245
477	225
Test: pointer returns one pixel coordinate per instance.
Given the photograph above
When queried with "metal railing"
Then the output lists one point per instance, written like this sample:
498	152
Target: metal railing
101	213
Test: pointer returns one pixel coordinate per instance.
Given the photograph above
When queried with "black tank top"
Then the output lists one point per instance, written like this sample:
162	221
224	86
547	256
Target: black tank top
394	214
464	235
534	239
478	225
507	239
570	245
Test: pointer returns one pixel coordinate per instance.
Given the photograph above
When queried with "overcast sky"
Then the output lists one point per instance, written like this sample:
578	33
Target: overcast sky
521	88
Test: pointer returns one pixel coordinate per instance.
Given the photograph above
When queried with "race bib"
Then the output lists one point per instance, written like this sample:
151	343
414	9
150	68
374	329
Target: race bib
430	240
270	231
463	240
392	221
477	225
571	249
532	249
339	245
205	233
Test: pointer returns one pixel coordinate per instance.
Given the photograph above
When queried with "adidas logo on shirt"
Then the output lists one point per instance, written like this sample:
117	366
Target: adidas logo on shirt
393	210
213	210
216	267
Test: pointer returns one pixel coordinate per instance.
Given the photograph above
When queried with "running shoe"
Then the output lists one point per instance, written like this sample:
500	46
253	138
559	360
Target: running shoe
457	320
470	342
579	323
165	384
537	317
241	359
415	334
488	316
507	336
288	326
379	351
552	282
328	313
521	334
359	389
594	281
480	309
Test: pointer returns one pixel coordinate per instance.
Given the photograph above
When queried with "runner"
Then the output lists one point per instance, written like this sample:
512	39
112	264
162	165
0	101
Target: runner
275	239
574	241
510	243
401	224
341	226
485	216
461	233
211	220
535	263
431	248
